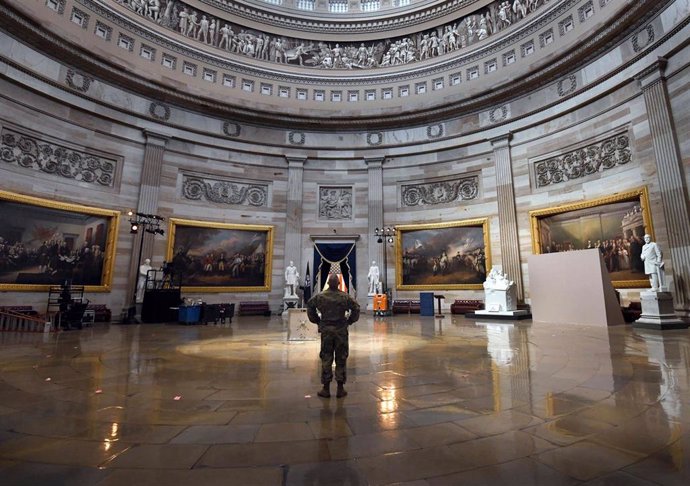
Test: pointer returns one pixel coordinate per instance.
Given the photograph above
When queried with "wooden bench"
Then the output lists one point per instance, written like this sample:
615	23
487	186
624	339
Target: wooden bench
254	309
406	306
101	313
461	306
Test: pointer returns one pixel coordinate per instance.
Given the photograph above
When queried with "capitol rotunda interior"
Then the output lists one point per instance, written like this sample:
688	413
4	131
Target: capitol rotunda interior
234	153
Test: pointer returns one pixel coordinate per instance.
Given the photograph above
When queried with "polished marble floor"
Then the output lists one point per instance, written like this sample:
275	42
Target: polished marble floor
431	402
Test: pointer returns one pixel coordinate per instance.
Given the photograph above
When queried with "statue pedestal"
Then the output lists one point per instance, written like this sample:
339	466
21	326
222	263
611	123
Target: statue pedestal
501	304
658	313
299	326
290	303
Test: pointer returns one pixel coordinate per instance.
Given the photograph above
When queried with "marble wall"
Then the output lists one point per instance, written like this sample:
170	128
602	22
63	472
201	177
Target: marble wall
39	108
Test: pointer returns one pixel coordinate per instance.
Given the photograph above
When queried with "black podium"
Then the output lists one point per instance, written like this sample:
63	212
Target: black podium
157	305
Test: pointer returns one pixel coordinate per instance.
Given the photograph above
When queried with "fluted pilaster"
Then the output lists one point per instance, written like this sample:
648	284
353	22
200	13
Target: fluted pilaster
293	223
375	217
149	189
507	217
673	192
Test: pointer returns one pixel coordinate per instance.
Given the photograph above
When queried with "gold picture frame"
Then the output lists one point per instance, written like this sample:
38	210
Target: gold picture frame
442	256
45	242
615	224
220	257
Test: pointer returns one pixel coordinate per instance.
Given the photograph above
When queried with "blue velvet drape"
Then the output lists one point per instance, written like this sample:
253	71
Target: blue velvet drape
343	254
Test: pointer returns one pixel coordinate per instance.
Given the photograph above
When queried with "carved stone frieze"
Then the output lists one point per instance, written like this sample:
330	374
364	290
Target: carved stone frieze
335	202
440	192
205	29
32	153
584	161
239	193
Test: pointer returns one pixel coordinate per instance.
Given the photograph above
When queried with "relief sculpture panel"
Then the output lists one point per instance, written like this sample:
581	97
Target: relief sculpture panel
440	192
335	203
197	188
31	153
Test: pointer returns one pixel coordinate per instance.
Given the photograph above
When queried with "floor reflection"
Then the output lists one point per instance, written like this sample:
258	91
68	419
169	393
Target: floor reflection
431	401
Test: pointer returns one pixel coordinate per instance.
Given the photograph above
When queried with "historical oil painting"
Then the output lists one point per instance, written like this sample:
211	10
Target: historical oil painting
219	257
615	225
442	255
45	242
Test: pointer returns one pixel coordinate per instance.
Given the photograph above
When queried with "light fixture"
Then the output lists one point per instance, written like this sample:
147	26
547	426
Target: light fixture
150	223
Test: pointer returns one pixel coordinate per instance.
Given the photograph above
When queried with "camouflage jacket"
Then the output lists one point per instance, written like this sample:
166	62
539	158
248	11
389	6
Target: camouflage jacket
332	304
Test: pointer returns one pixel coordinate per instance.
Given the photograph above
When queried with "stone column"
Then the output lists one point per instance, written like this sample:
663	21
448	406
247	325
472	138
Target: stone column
375	217
674	195
149	189
293	224
507	217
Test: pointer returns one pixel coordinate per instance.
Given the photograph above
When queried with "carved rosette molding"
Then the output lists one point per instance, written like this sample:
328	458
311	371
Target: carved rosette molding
567	85
441	192
434	131
498	114
647	32
78	81
197	188
335	203
297	138
584	161
232	129
31	153
374	138
159	111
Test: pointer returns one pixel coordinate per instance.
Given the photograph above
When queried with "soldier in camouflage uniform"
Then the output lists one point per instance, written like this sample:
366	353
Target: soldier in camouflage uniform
333	323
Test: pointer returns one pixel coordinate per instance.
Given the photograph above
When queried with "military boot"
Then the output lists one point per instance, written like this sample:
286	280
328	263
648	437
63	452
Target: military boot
341	390
325	392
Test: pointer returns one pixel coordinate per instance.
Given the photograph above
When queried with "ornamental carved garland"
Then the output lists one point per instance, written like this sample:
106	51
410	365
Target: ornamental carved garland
442	192
31	153
585	161
224	192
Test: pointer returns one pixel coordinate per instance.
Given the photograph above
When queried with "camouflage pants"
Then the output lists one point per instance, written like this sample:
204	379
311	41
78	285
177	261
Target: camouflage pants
334	344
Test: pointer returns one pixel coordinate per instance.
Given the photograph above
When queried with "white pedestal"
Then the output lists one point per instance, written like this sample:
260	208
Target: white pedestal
497	300
299	327
657	312
370	302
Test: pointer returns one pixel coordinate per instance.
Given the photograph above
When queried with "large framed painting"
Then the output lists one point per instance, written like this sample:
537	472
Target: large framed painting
220	257
614	224
45	242
452	256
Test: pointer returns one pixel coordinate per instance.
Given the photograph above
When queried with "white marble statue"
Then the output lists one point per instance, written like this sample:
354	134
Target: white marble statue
373	277
291	280
653	264
141	281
